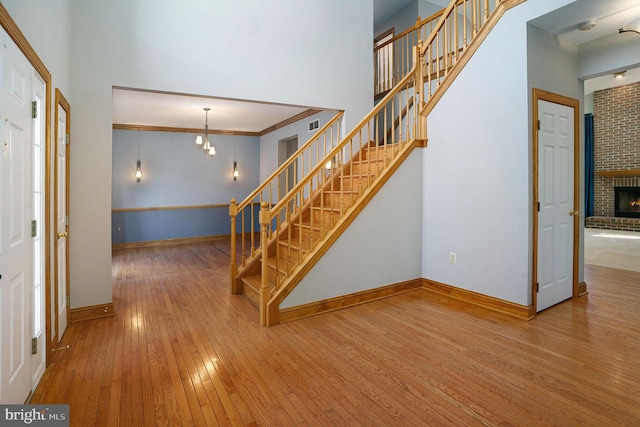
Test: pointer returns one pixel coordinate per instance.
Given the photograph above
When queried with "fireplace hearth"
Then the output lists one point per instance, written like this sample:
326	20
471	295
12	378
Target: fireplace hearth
627	202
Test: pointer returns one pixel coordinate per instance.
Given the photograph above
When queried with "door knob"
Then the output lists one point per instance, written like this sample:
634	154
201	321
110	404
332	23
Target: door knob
61	235
574	213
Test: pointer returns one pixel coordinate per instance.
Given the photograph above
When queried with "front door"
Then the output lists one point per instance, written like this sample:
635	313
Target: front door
16	243
61	294
556	203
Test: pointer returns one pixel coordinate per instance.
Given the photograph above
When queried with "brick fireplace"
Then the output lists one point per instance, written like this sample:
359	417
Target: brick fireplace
616	115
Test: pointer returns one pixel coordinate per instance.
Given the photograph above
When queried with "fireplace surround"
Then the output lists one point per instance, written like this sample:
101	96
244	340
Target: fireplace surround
616	155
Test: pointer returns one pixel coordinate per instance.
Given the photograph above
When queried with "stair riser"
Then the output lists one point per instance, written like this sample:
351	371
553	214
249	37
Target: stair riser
352	183
325	217
379	152
295	241
366	168
250	293
335	199
283	266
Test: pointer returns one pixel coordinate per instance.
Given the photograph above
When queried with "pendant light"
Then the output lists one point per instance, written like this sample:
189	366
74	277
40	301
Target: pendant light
204	141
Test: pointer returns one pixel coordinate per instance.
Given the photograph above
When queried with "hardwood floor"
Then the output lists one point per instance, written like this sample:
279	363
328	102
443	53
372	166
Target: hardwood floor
182	351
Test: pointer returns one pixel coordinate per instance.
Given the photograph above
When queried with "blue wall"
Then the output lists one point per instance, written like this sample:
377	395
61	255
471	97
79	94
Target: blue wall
175	172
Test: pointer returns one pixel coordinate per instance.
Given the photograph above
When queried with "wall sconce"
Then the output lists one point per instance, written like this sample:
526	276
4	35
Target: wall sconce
631	26
619	76
235	170
138	172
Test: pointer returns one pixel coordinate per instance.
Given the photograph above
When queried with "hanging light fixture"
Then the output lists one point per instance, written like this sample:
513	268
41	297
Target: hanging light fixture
204	141
235	170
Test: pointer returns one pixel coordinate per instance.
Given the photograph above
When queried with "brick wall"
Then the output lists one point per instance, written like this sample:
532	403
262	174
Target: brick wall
616	117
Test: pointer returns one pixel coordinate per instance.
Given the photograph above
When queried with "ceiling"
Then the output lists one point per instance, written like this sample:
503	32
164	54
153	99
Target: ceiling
148	108
610	15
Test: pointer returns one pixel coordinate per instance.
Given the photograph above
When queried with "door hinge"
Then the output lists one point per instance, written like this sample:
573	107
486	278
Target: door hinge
68	300
538	124
538	206
537	286
34	345
34	110
66	220
34	228
66	139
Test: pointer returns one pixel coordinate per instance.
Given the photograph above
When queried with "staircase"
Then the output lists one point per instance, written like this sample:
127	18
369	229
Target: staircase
303	227
281	230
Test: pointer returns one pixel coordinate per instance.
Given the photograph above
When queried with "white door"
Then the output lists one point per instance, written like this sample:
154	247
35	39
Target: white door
62	224
556	197
16	297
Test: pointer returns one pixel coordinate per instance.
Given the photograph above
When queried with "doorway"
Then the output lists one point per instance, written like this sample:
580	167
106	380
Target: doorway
288	178
556	199
61	209
23	222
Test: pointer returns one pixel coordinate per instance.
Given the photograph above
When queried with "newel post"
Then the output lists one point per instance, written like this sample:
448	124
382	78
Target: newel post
264	246
422	119
233	268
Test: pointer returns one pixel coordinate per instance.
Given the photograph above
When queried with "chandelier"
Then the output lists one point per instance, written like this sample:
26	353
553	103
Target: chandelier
204	142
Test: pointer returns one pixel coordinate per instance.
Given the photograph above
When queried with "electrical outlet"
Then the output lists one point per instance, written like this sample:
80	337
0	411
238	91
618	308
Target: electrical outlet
452	258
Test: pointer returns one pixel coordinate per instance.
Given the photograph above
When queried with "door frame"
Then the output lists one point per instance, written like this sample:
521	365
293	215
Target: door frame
61	103
20	40
542	95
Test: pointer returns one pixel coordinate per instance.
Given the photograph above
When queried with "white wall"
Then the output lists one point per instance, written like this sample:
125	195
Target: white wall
617	52
46	25
477	172
294	52
381	247
405	18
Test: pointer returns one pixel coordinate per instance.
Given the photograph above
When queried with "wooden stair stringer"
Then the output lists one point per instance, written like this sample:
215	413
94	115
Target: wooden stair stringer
296	276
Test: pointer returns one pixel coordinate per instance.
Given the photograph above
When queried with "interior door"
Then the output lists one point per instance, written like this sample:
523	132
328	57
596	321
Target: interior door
286	148
556	203
16	276
61	294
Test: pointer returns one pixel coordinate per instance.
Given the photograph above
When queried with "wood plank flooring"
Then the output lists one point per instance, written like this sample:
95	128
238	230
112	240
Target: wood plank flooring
182	351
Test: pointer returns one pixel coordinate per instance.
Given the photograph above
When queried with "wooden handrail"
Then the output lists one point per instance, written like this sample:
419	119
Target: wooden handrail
354	132
392	59
245	216
289	161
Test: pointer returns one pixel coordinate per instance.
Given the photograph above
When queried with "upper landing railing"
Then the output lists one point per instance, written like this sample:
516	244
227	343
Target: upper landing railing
445	35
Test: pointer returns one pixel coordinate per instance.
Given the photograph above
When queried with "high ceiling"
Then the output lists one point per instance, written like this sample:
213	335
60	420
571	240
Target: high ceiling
138	107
